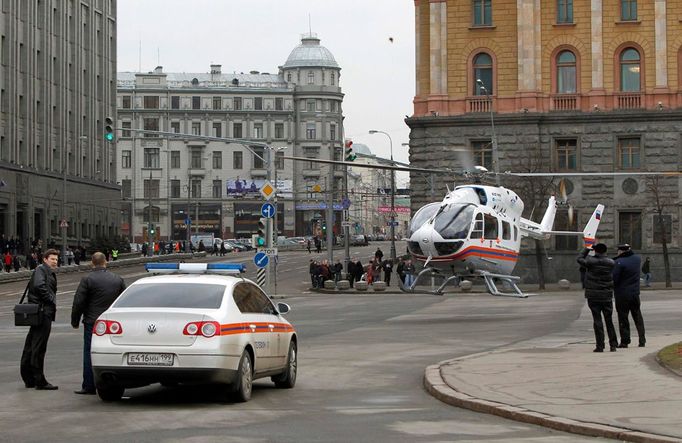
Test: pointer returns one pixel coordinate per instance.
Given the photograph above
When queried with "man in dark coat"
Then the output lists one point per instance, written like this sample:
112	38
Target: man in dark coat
42	290
626	290
599	293
387	267
95	293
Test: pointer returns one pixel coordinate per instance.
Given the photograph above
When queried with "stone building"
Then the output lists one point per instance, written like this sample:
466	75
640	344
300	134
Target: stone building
296	110
581	86
57	72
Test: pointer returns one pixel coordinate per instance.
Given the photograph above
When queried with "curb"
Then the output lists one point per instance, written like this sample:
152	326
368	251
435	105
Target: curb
438	388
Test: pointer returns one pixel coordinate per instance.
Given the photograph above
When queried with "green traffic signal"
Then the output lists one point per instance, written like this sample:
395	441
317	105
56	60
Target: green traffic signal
109	137
109	129
260	241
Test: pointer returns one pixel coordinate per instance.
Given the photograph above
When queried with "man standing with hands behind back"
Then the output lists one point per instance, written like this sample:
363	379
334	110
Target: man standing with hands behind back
626	288
95	293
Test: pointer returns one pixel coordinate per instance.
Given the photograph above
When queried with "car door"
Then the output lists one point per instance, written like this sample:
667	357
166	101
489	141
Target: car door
249	299
277	330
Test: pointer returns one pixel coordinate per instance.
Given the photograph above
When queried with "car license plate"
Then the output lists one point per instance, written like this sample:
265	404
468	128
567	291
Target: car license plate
139	359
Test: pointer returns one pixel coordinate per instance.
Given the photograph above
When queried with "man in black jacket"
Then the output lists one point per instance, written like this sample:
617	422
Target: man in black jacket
42	290
599	293
626	289
95	293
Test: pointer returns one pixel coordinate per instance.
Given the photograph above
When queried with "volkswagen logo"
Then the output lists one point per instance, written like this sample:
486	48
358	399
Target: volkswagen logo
151	328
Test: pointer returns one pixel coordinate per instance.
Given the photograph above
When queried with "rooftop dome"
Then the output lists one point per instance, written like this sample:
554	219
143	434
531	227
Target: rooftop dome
310	54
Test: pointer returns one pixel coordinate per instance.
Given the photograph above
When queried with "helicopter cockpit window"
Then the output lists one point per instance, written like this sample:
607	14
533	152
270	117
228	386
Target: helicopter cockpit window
506	230
490	227
422	216
477	231
453	221
482	197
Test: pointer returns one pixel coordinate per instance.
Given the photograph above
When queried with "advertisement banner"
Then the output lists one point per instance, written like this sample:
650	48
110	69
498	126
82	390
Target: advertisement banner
251	187
398	209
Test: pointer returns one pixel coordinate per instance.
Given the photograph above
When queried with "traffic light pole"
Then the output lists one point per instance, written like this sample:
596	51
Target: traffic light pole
268	231
150	243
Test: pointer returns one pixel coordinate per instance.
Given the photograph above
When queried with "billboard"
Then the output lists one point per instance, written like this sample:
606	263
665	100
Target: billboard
240	187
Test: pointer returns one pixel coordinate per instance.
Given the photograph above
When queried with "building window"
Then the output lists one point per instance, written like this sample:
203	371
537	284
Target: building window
217	189
279	160
237	160
217	103
310	105
332	79
630	70
332	132
237	130
661	223
195	156
175	127
151	158
310	131
126	159
483	13
151	188
151	124
217	129
628	10
151	102
483	153
630	229
566	155
311	77
175	188
125	129
237	103
629	153
196	102
155	214
333	106
196	188
564	13
561	223
258	103
566	73
279	104
126	102
126	188
175	160
289	77
279	130
259	154
196	128
175	102
258	130
217	160
483	71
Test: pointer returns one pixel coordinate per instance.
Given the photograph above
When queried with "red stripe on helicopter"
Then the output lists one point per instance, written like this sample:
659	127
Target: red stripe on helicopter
589	242
477	251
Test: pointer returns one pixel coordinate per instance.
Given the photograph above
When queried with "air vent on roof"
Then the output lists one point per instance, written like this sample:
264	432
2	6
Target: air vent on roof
195	81
254	72
235	81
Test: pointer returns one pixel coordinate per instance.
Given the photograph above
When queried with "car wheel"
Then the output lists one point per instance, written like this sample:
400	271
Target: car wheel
287	379
243	385
110	392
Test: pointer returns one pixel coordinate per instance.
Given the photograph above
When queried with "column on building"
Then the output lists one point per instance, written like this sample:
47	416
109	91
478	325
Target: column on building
438	86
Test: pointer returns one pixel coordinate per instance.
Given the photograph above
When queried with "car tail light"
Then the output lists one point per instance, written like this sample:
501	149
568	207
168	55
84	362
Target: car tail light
203	328
104	327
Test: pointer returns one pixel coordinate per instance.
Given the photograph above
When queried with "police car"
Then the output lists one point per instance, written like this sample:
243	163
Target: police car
193	324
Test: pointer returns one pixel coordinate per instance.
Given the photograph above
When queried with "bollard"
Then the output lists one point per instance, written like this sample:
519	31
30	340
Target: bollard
343	284
329	284
465	285
564	284
361	285
379	286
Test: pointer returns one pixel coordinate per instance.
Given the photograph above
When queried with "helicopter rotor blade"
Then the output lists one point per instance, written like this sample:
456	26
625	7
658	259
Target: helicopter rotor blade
374	166
590	174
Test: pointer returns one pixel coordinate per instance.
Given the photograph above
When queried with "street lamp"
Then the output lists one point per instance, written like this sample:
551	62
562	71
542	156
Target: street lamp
393	253
496	162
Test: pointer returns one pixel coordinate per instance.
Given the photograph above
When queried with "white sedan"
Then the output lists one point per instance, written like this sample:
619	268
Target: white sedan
191	325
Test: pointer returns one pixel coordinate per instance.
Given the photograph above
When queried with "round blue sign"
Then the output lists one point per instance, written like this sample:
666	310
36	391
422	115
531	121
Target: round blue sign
261	259
268	210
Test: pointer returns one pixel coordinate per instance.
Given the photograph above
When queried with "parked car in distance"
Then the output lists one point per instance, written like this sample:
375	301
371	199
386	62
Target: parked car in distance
358	240
236	245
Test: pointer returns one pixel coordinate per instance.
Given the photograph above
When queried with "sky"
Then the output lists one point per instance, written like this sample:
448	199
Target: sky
377	75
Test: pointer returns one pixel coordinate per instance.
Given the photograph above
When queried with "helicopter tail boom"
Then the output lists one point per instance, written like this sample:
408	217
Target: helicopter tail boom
590	231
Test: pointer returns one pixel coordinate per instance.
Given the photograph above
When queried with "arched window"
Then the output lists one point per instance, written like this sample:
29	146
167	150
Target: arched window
289	77
630	64
155	210
483	71
566	73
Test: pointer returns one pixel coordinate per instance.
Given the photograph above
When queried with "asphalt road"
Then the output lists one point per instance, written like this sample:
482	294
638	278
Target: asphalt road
361	363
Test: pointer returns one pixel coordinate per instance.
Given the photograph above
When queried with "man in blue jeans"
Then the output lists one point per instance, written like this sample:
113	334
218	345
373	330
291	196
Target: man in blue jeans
95	293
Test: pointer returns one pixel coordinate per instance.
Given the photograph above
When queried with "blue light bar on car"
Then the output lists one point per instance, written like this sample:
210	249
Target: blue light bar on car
195	268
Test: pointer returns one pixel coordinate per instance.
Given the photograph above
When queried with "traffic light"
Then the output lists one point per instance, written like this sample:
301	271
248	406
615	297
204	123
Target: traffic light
349	154
260	235
152	230
109	129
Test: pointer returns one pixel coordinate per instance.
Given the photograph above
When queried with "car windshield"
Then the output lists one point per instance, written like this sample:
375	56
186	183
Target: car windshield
422	216
454	221
172	295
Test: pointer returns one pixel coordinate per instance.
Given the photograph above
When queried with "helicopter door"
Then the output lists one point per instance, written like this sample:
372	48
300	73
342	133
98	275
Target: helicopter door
477	230
490	227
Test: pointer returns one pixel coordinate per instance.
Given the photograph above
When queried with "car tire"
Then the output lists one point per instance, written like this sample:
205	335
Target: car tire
110	392
287	379
243	386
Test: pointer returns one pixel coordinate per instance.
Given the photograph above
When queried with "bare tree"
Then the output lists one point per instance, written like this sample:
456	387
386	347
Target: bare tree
662	192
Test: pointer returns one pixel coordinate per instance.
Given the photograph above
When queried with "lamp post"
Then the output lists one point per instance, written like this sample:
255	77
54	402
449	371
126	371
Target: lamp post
496	162
393	253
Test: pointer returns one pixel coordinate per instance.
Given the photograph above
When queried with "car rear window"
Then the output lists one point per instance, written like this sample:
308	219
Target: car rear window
172	295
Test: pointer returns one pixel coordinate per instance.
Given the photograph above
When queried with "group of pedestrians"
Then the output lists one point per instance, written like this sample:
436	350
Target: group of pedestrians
322	271
95	293
606	277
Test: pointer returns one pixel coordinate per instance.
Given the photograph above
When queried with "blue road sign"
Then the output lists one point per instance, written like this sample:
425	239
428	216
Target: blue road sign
268	210
393	223
261	259
188	221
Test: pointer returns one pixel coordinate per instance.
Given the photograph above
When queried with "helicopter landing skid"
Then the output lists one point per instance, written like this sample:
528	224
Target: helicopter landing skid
511	280
412	287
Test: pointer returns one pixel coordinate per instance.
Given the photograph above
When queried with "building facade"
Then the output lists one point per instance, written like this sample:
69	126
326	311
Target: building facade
216	184
573	86
57	73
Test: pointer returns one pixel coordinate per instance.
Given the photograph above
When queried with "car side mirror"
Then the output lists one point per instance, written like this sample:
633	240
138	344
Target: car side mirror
283	308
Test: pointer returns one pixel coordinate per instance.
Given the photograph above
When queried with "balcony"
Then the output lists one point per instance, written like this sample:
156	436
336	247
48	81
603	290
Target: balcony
628	100
564	102
478	104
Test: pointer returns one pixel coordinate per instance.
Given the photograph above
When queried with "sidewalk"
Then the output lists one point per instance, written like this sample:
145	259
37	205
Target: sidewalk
558	382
